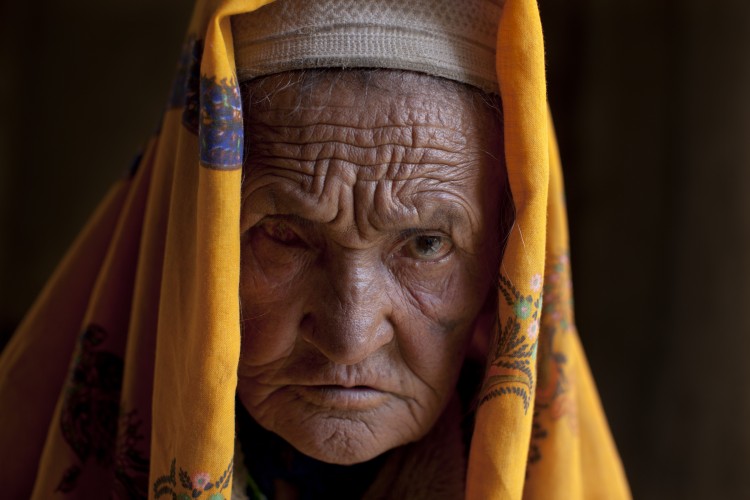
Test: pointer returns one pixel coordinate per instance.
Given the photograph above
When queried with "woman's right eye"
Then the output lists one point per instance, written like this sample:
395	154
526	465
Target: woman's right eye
281	232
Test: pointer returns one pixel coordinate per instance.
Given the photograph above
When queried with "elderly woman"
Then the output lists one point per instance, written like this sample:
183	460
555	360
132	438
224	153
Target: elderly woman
325	278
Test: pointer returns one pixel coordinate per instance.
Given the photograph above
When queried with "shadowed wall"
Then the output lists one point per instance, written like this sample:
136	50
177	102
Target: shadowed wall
83	85
651	106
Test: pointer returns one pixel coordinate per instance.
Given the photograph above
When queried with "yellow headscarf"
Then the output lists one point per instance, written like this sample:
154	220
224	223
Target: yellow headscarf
121	380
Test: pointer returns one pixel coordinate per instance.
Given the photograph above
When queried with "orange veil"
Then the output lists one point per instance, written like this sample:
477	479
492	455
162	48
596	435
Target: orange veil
121	379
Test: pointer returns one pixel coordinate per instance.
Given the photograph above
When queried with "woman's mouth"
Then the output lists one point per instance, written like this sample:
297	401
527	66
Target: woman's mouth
359	397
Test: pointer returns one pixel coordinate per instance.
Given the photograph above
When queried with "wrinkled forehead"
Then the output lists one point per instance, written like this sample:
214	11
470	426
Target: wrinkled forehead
427	109
431	143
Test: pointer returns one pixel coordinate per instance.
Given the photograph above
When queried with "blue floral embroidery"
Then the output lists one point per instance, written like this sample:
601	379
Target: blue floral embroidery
185	89
191	86
220	130
212	109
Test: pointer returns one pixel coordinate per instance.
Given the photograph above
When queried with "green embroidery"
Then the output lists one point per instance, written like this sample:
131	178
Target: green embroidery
523	307
510	370
197	485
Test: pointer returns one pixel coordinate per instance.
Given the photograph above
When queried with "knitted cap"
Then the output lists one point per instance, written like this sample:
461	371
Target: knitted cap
453	39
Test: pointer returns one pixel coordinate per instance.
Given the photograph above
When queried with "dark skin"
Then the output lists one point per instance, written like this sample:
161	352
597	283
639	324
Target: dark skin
370	242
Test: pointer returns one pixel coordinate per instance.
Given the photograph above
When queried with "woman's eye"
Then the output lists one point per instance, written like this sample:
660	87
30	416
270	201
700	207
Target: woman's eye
281	232
428	247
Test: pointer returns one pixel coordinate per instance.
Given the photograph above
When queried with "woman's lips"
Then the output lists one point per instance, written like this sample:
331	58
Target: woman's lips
359	397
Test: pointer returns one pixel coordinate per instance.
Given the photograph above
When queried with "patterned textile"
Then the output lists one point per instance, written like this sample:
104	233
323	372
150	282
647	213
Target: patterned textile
121	380
429	36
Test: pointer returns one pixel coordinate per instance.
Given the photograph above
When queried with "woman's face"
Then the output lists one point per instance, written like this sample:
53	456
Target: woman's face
369	244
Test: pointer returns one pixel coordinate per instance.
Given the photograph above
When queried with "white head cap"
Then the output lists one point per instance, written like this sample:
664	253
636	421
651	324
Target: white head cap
453	39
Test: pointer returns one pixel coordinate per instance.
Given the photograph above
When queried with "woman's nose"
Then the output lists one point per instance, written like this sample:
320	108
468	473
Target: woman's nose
349	317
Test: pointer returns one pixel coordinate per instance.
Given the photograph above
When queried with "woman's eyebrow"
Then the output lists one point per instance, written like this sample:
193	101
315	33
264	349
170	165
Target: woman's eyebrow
297	220
446	218
442	217
449	220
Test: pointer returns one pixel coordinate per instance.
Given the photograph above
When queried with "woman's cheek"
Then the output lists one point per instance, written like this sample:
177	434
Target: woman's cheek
269	320
272	285
436	289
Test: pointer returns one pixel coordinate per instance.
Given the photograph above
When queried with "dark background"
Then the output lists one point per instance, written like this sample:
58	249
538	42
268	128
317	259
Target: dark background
652	108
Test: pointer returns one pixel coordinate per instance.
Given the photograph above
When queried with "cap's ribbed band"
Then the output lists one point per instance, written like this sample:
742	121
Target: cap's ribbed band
453	39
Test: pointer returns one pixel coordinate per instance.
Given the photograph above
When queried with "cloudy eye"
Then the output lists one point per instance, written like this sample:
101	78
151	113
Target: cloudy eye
428	247
281	232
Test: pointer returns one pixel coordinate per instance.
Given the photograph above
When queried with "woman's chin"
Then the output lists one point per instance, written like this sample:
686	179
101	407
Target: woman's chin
340	425
344	436
341	440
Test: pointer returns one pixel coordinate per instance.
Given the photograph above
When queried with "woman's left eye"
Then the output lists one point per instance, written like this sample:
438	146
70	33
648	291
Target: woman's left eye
427	247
